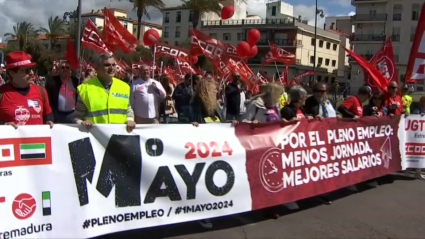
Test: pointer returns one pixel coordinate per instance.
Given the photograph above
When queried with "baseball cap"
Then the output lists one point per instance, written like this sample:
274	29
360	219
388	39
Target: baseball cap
365	90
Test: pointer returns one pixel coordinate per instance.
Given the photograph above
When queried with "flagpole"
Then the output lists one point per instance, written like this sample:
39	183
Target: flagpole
79	24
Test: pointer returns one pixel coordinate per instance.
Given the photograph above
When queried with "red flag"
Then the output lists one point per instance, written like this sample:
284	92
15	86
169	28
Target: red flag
91	39
165	50
416	66
71	56
116	36
384	61
277	54
298	77
375	75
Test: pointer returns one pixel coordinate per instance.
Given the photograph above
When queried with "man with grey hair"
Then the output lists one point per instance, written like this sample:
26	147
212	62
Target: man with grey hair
318	105
62	92
104	99
146	95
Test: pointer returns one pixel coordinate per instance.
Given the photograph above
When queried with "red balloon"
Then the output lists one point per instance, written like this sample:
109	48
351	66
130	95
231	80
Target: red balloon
243	49
253	36
227	12
253	52
151	37
193	60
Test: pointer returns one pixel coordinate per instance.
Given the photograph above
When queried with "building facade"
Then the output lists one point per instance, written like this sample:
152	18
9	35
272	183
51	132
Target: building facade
130	24
280	27
375	20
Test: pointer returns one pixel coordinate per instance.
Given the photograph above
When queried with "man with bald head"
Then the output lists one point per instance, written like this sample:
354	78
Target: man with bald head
393	100
146	95
235	98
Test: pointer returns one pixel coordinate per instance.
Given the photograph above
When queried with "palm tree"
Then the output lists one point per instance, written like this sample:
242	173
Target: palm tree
199	7
54	31
21	32
141	7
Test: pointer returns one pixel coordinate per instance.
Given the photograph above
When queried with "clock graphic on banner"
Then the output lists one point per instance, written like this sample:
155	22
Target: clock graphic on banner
271	175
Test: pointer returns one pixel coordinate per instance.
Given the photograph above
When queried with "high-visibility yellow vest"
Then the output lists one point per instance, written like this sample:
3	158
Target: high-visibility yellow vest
407	101
105	107
283	101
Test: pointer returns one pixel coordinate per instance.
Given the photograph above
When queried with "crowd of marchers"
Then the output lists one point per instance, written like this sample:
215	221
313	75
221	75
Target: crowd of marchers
98	97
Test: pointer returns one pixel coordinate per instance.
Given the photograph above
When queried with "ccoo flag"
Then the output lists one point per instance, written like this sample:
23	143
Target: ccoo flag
32	151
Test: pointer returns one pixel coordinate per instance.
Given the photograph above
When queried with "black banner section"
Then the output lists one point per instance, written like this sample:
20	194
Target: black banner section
122	168
83	164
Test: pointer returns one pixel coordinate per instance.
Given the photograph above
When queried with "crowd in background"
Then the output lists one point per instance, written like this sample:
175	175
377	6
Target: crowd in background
97	97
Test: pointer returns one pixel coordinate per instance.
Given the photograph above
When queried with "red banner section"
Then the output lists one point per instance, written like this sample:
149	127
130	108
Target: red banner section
286	164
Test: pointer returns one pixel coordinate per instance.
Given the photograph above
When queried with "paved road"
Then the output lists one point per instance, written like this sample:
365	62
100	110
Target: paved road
390	211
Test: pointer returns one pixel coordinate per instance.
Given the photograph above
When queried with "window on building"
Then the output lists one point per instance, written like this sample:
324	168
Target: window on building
311	59
320	61
320	43
319	78
397	10
396	34
213	35
274	11
328	45
333	80
166	42
313	41
190	16
125	25
327	62
372	12
333	63
326	79
179	17
412	33
166	31
226	36
240	37
396	50
176	43
177	31
415	11
167	17
335	47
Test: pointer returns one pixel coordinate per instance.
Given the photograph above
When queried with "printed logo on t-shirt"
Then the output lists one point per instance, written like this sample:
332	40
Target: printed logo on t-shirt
22	115
34	105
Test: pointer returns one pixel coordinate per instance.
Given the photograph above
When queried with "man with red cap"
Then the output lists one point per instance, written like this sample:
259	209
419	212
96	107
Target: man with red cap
23	103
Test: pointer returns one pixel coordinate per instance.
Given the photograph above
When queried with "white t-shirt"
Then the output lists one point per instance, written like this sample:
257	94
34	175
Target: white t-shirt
144	99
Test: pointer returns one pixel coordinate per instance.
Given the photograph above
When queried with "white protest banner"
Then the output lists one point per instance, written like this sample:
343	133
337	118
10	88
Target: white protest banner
412	141
66	183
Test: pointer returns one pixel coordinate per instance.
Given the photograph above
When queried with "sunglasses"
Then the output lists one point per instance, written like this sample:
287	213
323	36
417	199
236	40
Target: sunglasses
109	65
393	87
319	91
27	70
375	98
65	68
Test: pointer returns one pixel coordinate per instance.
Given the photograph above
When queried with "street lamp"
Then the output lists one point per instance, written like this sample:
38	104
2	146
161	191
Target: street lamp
319	12
79	24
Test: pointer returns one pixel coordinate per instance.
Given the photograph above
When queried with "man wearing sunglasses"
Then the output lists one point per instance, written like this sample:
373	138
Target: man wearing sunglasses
62	91
21	102
104	99
393	100
318	105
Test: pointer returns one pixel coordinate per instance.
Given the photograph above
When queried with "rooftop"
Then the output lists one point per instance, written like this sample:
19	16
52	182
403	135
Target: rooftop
100	14
285	23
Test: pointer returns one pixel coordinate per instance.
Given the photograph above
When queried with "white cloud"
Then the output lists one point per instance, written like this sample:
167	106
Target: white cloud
344	3
309	12
14	11
351	13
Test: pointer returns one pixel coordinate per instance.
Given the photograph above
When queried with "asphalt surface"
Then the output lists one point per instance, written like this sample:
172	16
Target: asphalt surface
392	210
